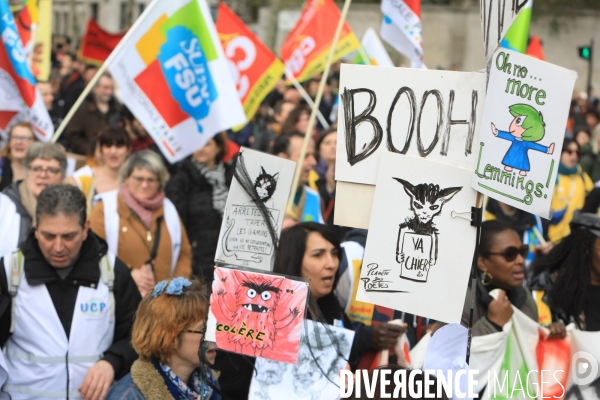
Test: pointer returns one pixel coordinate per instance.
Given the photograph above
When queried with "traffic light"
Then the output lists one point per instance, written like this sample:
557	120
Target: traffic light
585	52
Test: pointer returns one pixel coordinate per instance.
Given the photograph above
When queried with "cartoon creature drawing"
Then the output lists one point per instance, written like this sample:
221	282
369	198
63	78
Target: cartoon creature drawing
525	130
417	247
326	349
268	373
253	316
265	185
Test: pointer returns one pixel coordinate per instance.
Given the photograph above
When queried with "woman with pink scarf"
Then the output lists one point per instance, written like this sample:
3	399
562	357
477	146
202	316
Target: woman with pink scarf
141	225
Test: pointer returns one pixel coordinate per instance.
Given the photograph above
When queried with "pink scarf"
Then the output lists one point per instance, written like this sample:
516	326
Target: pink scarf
143	208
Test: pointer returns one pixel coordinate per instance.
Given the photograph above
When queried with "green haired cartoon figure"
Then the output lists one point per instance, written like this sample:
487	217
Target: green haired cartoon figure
525	130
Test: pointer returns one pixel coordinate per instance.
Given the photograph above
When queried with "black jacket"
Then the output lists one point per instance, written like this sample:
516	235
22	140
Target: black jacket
191	194
12	191
86	272
6	173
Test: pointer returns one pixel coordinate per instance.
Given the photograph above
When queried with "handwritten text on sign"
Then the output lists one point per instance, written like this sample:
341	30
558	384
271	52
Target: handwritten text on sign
249	233
417	252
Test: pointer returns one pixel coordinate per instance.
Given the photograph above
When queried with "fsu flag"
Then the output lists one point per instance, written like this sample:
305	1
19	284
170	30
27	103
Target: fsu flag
306	48
255	68
175	78
19	97
97	44
401	28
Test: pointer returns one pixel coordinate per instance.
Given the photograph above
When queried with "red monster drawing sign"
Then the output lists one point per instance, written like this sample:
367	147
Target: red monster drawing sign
258	314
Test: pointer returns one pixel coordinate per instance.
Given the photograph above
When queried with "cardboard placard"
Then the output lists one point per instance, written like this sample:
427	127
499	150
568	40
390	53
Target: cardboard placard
257	314
246	235
323	353
522	131
430	114
421	242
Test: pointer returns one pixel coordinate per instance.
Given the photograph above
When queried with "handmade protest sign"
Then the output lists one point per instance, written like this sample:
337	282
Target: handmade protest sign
497	16
324	351
431	114
421	242
522	131
254	211
257	314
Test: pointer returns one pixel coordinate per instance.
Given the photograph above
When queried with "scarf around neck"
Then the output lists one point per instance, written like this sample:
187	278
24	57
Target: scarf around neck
562	170
216	179
143	208
196	389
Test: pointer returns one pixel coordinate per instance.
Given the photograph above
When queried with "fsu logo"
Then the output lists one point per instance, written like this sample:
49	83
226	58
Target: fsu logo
94	307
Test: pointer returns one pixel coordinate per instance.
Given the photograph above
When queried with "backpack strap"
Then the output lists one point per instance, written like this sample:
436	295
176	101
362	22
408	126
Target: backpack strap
107	274
16	272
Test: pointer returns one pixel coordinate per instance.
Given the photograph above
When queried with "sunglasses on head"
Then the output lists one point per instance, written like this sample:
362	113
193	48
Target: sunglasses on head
511	253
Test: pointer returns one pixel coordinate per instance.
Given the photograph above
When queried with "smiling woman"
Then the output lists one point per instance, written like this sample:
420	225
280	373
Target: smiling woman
12	161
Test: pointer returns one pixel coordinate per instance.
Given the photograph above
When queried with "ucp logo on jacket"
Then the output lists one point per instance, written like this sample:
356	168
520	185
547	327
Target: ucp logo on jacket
94	307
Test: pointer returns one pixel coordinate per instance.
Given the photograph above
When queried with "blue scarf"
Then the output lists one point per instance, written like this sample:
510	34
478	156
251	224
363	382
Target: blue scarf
179	389
562	170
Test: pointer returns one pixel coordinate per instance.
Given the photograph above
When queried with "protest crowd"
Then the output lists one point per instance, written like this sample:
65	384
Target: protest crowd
108	248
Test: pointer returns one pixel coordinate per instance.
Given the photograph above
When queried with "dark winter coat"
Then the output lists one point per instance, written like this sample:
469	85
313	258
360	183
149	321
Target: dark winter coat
191	194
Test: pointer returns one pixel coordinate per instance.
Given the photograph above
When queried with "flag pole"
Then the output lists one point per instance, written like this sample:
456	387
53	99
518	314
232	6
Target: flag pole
306	97
315	109
101	70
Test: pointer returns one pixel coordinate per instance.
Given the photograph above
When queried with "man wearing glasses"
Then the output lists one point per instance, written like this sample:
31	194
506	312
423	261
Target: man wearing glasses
45	164
67	305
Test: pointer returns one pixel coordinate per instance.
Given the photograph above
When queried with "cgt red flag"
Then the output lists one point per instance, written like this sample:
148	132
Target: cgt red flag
306	48
535	48
255	68
97	44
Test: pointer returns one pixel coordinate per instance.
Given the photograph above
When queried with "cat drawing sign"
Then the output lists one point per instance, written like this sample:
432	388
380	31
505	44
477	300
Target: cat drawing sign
417	250
254	210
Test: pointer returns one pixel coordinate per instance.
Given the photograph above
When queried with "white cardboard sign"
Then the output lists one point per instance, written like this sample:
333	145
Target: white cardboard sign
316	375
427	113
421	242
245	238
522	131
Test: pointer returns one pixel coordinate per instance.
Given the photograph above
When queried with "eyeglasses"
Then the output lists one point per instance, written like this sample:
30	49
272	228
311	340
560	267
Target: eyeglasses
50	171
193	331
139	180
511	253
21	138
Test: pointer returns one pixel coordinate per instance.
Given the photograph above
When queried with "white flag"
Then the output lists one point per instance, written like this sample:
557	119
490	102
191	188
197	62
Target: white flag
401	28
174	77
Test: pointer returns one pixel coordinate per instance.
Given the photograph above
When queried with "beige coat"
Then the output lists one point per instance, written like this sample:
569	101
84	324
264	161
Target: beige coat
135	241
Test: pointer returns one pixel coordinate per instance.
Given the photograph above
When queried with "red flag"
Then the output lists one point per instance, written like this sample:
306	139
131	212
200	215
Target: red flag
306	48
97	44
255	68
535	48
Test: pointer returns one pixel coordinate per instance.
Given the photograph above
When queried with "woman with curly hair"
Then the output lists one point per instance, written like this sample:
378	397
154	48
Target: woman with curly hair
566	283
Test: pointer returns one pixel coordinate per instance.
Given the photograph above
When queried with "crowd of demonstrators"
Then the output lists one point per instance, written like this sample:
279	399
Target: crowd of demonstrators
142	226
158	235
